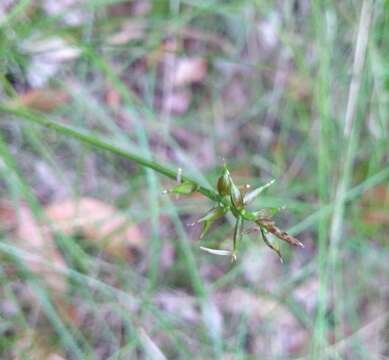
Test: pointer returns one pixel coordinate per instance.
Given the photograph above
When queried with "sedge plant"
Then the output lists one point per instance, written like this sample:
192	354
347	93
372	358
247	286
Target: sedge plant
227	198
235	200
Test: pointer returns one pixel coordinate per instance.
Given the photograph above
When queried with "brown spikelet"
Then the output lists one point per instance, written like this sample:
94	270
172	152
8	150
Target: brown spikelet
282	235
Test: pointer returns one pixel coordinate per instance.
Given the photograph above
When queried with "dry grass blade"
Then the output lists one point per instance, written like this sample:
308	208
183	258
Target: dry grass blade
216	251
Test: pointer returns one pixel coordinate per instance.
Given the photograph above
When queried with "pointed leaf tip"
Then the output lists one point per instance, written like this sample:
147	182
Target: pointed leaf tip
252	195
216	251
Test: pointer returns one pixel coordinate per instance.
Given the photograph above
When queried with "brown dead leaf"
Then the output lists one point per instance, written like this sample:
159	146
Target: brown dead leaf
37	242
299	87
209	38
377	217
55	356
68	310
98	222
130	31
157	55
34	345
43	99
113	98
375	203
189	71
7	215
242	173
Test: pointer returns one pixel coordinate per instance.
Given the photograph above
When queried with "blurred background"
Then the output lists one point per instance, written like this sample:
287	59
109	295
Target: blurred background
96	263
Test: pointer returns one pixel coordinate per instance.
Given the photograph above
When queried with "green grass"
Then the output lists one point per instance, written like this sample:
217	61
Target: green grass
311	112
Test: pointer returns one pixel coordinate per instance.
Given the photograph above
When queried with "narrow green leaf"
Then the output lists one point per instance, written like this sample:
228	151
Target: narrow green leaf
185	188
224	182
210	217
252	195
213	214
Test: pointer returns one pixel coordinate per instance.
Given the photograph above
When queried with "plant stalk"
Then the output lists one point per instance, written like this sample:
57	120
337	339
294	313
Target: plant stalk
105	144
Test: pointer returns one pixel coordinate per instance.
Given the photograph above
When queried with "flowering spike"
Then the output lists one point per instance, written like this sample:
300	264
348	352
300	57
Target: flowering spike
224	182
236	197
282	235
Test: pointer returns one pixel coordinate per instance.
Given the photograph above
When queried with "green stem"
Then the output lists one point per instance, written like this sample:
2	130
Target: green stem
104	144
